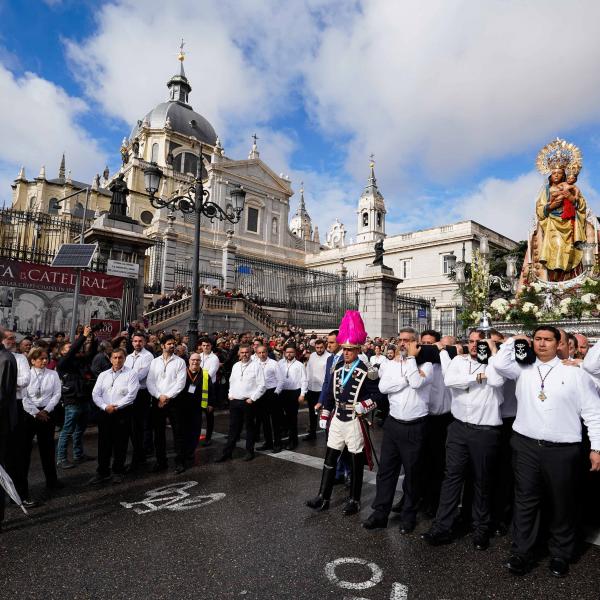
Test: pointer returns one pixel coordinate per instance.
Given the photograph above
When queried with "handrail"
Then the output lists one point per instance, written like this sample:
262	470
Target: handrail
168	311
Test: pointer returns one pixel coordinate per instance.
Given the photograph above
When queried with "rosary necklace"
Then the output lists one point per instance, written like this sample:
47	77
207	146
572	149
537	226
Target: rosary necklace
542	396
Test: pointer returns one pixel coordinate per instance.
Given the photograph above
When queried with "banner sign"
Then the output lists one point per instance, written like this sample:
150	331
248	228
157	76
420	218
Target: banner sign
38	299
110	328
121	268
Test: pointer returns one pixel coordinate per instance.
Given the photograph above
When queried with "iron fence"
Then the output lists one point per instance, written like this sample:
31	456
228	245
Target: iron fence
414	312
153	268
183	277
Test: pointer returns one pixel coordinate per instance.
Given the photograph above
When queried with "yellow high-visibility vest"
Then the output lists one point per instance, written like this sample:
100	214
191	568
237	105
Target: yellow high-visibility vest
204	401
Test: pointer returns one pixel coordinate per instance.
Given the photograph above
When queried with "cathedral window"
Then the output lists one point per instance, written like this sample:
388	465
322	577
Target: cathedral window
448	261
190	163
274	226
154	155
365	219
252	220
77	211
53	206
378	219
146	217
405	268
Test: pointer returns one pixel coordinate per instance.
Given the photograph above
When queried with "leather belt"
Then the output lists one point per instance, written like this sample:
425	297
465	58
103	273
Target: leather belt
545	443
411	422
479	427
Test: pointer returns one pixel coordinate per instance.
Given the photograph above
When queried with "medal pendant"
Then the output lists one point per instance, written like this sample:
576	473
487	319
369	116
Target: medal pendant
542	396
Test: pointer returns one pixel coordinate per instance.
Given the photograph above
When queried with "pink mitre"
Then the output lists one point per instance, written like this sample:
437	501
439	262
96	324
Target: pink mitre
352	332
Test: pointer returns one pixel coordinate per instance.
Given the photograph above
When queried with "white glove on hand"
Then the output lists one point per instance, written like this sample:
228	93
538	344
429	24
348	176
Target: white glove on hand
360	409
324	419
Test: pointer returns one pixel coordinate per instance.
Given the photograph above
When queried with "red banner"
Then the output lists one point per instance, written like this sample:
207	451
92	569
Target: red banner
110	329
58	279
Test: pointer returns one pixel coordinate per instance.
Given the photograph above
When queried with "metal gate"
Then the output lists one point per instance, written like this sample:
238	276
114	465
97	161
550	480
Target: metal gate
413	312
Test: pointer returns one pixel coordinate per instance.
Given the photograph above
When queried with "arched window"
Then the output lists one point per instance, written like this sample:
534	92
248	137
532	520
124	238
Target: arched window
53	206
365	219
154	155
32	202
274	226
77	211
146	217
378	219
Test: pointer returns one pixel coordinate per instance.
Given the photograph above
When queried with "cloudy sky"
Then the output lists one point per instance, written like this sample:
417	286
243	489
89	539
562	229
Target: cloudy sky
454	98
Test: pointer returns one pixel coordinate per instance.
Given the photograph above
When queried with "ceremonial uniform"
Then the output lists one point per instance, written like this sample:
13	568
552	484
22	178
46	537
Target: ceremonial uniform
552	398
139	362
117	388
42	394
293	383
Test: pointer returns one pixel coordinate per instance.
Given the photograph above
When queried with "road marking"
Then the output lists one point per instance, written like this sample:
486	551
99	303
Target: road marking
376	574
172	497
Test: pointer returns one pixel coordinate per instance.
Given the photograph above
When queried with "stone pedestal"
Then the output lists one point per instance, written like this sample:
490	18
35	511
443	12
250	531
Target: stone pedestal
121	238
378	288
228	262
169	259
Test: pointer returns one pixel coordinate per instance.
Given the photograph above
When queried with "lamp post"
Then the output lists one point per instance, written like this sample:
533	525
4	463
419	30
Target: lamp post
195	201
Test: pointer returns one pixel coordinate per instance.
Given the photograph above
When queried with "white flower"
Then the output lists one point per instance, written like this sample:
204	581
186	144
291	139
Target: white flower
597	306
537	287
586	313
565	302
588	298
500	305
529	307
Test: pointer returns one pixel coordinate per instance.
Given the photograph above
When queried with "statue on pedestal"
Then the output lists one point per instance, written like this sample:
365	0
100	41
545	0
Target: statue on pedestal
379	251
119	193
562	219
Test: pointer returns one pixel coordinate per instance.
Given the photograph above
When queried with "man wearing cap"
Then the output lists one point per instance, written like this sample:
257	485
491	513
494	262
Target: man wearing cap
348	399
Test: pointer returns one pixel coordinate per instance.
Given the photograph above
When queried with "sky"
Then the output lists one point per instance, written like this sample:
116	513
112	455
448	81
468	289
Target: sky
453	97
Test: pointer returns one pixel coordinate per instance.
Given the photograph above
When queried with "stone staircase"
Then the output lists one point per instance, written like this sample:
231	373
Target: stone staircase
167	317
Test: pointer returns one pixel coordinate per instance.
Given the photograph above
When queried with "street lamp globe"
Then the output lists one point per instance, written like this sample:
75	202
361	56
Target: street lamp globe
152	177
484	246
238	198
511	266
459	272
588	258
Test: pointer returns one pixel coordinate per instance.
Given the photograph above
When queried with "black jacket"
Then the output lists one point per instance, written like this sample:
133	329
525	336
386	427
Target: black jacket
9	410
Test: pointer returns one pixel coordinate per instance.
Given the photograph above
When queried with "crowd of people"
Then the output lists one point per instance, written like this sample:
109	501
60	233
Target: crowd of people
488	432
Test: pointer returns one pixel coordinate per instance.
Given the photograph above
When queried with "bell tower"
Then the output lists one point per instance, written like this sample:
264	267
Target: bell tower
371	211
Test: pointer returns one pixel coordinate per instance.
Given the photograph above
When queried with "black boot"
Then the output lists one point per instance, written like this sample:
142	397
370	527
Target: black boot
352	505
321	502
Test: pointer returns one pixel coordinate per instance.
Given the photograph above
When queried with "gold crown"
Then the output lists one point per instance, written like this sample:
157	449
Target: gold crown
559	154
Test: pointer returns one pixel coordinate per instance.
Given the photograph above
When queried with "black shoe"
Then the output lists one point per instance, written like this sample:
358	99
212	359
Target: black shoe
158	467
318	503
310	437
179	469
397	508
206	443
437	538
65	464
223	458
291	446
374	522
352	507
118	478
55	485
98	479
558	567
31	503
83	458
517	565
339	480
500	530
248	456
276	450
481	542
406	528
265	447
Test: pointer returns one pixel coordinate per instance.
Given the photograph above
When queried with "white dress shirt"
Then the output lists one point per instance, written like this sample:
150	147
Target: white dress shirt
408	391
247	381
140	363
377	360
166	378
570	395
440	397
43	392
292	376
210	363
591	363
315	370
116	387
271	373
472	402
23	374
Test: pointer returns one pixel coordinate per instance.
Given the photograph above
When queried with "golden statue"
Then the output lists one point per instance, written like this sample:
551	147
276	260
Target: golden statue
554	253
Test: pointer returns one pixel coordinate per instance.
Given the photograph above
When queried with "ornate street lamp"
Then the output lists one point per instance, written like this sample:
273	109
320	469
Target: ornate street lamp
195	201
589	259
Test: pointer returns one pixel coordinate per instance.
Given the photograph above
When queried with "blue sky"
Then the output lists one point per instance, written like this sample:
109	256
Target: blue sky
453	97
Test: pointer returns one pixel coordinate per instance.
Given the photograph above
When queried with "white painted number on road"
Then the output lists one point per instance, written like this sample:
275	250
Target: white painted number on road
399	591
172	497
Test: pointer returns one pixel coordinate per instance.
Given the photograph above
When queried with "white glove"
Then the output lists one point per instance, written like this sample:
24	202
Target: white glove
360	409
324	419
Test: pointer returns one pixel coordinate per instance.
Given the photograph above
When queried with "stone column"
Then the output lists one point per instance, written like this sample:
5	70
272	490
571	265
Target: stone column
169	257
228	261
378	300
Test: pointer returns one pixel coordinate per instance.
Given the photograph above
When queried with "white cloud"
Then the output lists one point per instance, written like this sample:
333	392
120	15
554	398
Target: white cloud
38	121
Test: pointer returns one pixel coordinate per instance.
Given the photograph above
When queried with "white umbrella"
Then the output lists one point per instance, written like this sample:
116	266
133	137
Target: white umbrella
9	487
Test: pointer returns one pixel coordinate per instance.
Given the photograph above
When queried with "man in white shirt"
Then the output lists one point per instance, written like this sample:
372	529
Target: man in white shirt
268	408
473	438
378	358
246	386
292	388
315	372
114	393
552	398
209	362
139	362
166	380
408	387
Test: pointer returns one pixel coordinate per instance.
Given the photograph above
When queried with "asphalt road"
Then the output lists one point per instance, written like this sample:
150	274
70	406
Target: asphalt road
240	530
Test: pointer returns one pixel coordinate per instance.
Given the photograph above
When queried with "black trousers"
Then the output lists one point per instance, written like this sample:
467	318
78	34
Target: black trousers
6	449
312	398
210	423
44	432
468	445
434	458
545	474
268	415
160	416
288	400
240	414
402	446
504	484
139	425
113	437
